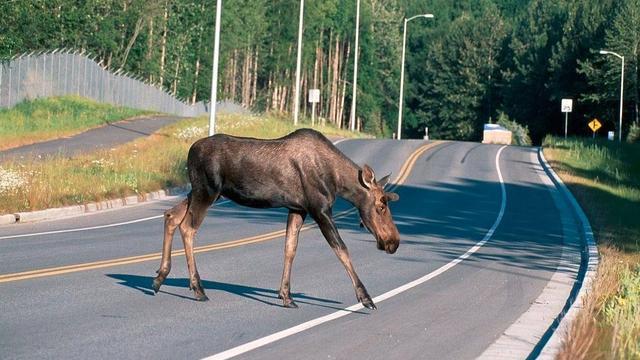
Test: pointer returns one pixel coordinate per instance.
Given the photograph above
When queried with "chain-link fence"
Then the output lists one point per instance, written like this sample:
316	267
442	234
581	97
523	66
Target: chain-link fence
64	72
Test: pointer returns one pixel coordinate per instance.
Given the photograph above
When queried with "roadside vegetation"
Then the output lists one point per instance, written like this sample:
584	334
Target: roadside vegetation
43	119
604	176
148	164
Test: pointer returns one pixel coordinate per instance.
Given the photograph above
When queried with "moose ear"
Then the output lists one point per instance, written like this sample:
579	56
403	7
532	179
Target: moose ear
367	177
392	196
383	182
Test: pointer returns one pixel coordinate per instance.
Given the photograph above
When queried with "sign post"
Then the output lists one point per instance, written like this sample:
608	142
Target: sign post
314	97
594	125
567	105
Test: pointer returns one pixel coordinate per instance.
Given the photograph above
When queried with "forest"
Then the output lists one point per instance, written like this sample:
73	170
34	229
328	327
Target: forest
472	62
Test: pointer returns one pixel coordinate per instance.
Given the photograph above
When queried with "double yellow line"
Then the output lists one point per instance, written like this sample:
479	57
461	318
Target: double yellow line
405	170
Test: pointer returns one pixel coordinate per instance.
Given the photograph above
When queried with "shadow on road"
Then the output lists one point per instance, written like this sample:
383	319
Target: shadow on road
265	296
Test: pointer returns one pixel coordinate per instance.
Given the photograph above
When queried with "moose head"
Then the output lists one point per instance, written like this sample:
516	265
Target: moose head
375	212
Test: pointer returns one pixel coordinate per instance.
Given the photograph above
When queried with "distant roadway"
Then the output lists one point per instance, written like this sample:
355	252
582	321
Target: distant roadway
91	294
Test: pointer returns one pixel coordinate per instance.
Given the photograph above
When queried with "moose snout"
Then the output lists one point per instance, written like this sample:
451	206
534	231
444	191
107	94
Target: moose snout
390	244
391	247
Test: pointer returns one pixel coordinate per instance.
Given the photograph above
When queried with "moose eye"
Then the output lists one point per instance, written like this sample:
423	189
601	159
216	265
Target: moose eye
381	208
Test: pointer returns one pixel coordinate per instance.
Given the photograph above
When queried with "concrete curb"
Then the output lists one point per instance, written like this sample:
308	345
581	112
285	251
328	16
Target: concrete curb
75	210
590	260
7	219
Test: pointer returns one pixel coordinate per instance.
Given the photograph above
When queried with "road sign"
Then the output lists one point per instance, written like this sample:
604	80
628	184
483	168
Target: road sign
314	95
567	105
595	125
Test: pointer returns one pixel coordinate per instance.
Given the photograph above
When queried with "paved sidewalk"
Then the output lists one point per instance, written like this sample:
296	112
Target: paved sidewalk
106	136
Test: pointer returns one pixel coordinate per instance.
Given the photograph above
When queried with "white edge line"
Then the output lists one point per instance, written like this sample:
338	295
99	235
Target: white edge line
91	227
339	141
553	346
241	349
106	225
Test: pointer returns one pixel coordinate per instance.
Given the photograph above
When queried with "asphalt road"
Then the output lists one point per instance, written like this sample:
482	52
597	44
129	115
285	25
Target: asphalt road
103	137
449	202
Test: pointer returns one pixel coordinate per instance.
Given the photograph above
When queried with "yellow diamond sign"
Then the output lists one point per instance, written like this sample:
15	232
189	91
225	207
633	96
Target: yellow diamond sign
595	125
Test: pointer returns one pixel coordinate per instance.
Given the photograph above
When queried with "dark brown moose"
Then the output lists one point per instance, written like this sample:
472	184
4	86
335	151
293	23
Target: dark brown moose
303	172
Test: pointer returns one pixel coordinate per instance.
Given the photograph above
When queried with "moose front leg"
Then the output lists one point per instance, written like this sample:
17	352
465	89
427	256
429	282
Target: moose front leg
172	219
330	232
294	223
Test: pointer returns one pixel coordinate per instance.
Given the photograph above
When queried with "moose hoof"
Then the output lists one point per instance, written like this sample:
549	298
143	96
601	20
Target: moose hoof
156	285
202	297
290	304
368	303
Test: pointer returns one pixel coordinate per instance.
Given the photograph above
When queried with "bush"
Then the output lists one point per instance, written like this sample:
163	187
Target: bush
519	133
634	134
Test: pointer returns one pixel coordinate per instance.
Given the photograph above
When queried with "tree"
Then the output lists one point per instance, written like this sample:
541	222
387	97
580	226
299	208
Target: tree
456	91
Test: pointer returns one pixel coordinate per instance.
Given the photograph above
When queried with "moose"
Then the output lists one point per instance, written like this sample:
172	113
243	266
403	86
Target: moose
303	172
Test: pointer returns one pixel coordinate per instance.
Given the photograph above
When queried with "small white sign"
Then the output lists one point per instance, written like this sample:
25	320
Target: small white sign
314	95
611	135
567	104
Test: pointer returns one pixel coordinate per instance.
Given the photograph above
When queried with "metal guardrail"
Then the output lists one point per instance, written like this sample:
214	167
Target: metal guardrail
66	72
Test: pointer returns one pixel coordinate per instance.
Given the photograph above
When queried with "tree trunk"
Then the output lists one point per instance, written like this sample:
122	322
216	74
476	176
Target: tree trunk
234	74
149	53
343	71
335	77
163	43
303	95
315	76
194	93
254	85
326	111
175	77
132	40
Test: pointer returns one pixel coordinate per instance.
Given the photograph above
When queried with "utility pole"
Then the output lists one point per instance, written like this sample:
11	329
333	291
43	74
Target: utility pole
352	118
296	109
605	52
404	45
214	77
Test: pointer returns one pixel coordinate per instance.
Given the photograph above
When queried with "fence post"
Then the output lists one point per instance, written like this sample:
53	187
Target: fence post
9	87
19	78
1	73
84	80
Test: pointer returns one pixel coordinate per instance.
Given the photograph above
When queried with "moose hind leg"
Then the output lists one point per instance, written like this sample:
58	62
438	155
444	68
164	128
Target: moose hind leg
196	212
294	224
172	218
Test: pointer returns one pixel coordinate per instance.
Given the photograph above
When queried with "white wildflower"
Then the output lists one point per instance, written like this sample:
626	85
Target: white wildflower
191	132
10	180
102	163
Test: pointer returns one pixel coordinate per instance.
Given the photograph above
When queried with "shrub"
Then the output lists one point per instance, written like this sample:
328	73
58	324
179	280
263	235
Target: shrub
519	133
634	134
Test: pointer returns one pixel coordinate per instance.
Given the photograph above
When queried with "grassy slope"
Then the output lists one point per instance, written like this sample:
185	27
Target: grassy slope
605	178
43	119
147	164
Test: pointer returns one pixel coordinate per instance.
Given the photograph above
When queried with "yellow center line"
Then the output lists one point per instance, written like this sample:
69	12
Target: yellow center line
405	170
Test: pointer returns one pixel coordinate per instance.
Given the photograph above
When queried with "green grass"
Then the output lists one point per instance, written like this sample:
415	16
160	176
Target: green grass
147	164
604	176
42	119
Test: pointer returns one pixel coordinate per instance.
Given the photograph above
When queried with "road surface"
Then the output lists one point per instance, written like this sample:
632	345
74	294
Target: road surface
87	294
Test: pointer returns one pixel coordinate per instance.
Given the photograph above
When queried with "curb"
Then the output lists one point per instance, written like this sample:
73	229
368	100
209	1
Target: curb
75	210
589	264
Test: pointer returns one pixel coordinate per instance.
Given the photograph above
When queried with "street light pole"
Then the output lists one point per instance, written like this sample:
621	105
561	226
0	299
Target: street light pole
605	52
404	44
214	77
352	118
296	109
